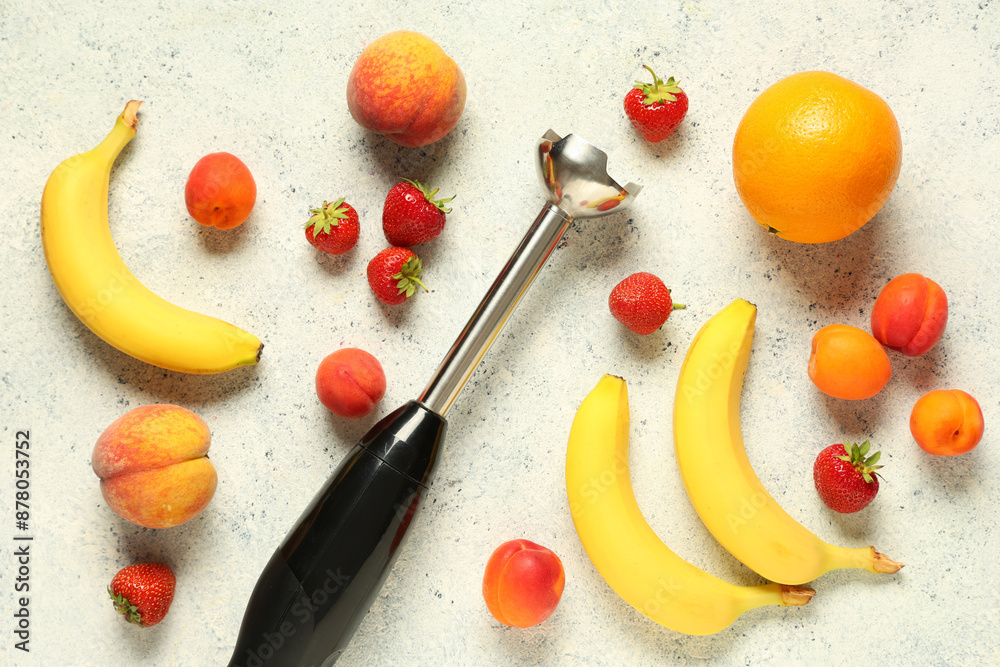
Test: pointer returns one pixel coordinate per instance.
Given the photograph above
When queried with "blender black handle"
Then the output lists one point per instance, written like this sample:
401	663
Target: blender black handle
317	586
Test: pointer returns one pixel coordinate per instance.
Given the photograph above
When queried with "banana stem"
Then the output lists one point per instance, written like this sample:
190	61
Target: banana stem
122	133
885	565
795	596
863	558
752	597
129	115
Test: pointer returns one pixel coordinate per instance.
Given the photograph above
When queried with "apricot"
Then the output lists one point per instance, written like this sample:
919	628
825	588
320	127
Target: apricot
523	583
220	191
847	362
946	422
153	465
404	86
350	382
910	314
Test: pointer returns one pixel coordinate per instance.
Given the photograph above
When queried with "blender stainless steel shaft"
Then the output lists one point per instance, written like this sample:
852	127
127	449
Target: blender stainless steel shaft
575	175
320	582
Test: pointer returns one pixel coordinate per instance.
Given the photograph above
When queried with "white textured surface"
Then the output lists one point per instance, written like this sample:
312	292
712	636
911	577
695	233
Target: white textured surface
265	81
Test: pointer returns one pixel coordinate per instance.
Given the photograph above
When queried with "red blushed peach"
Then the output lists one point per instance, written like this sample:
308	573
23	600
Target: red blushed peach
350	382
523	583
910	314
220	191
153	466
404	86
946	422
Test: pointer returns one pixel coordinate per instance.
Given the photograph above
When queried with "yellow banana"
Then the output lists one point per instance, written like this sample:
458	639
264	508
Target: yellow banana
720	481
103	293
622	546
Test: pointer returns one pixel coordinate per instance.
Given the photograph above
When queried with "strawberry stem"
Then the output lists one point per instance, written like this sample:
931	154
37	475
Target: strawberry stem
125	608
428	194
856	457
409	277
326	216
658	91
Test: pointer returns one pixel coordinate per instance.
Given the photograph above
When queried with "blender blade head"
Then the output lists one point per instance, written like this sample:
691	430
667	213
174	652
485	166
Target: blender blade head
575	175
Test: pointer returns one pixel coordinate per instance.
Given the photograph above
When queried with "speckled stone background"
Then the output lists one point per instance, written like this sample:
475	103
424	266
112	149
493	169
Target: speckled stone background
266	81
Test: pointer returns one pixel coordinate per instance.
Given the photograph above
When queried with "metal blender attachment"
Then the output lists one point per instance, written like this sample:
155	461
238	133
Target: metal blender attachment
320	582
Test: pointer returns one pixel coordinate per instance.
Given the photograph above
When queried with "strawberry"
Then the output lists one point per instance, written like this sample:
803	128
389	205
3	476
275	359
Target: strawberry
656	109
394	274
642	303
845	479
143	593
411	215
333	228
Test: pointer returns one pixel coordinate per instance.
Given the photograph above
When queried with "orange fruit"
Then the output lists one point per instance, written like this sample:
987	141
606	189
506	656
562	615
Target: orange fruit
816	156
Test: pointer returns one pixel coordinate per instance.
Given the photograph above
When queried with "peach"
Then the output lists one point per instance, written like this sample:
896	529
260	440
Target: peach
153	465
220	191
910	314
847	362
404	86
350	382
523	583
946	422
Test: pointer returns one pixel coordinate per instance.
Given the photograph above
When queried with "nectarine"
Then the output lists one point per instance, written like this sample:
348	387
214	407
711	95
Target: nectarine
523	583
350	382
404	86
153	465
910	314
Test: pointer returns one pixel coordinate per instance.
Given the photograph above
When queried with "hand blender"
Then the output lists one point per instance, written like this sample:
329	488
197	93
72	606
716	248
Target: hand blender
319	583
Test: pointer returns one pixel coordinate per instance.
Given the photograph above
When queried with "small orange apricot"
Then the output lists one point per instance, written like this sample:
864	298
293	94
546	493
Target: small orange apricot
847	362
946	422
220	191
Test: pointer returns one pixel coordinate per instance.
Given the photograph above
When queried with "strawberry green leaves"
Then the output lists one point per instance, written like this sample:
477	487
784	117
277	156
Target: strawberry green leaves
856	457
409	277
327	216
658	91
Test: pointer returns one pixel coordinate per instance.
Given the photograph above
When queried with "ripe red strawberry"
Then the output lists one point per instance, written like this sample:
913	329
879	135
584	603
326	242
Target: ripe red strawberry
411	215
143	593
845	479
642	303
394	274
333	228
656	109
